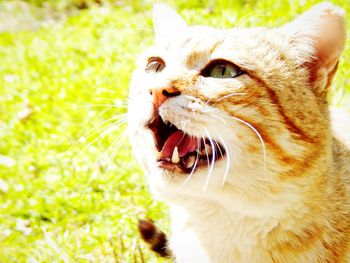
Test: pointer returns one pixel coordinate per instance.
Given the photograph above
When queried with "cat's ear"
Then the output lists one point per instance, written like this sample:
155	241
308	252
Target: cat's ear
167	23
319	37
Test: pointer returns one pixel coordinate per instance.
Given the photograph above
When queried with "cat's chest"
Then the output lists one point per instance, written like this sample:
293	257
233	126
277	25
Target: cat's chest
217	237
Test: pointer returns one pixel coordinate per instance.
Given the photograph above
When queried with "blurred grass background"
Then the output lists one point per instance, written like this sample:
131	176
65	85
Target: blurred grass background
70	191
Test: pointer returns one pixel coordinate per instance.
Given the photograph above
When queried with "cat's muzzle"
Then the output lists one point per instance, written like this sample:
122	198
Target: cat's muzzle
179	151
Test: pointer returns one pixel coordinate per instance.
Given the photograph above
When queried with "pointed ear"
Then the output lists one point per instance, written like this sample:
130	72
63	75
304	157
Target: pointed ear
166	22
319	37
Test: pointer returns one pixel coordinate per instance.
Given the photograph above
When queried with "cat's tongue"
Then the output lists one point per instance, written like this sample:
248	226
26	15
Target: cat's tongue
184	143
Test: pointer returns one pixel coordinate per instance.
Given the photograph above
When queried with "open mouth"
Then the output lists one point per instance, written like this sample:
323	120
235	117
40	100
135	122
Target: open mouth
178	150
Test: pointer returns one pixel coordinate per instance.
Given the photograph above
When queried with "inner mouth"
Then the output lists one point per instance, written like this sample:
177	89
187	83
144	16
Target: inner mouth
178	150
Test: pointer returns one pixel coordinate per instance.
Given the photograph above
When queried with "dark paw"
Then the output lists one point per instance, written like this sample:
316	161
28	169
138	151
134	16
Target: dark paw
154	237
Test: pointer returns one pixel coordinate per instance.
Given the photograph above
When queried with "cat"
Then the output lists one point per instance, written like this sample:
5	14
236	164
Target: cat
233	131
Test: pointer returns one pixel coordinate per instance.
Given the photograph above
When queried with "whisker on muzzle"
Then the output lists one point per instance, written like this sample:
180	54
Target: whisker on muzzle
211	167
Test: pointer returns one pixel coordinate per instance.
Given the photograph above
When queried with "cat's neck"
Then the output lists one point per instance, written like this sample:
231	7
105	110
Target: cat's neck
226	232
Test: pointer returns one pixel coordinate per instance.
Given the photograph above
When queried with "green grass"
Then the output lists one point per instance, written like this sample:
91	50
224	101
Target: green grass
65	194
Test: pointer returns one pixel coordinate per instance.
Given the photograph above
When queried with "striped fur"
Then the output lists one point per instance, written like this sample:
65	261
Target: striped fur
281	193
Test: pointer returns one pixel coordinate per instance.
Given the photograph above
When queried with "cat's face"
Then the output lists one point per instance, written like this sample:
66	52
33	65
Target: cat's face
230	111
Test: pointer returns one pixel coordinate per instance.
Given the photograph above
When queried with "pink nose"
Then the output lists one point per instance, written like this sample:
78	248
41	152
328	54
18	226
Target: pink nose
162	94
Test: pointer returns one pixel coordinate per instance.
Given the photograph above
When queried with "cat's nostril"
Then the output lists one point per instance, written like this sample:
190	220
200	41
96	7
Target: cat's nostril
160	95
171	92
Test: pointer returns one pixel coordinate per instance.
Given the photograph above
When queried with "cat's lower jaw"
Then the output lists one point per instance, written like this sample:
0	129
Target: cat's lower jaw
178	151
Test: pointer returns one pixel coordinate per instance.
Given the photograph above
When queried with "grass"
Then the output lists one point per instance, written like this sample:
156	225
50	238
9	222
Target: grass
69	192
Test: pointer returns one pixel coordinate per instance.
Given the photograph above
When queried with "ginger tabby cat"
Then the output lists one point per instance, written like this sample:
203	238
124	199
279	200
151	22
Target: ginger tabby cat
233	130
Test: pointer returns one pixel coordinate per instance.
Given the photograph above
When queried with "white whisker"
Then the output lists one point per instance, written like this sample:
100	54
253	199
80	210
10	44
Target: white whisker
228	161
116	144
221	119
120	142
111	127
209	110
83	193
257	133
212	160
107	90
206	152
218	146
92	132
230	95
193	168
184	123
101	105
245	18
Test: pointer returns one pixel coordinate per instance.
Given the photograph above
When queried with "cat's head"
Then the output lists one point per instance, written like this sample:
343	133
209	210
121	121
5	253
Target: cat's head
236	112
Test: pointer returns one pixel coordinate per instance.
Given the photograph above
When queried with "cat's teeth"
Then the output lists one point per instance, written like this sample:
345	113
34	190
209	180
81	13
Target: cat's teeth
190	161
175	157
151	121
158	155
208	150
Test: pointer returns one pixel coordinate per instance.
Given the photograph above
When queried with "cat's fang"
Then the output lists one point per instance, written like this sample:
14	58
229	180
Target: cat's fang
152	120
190	161
175	157
158	155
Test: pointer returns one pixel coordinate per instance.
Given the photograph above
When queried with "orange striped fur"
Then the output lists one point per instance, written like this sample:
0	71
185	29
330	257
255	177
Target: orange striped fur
279	190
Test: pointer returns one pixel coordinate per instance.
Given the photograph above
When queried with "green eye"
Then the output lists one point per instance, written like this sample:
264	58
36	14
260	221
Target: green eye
221	69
